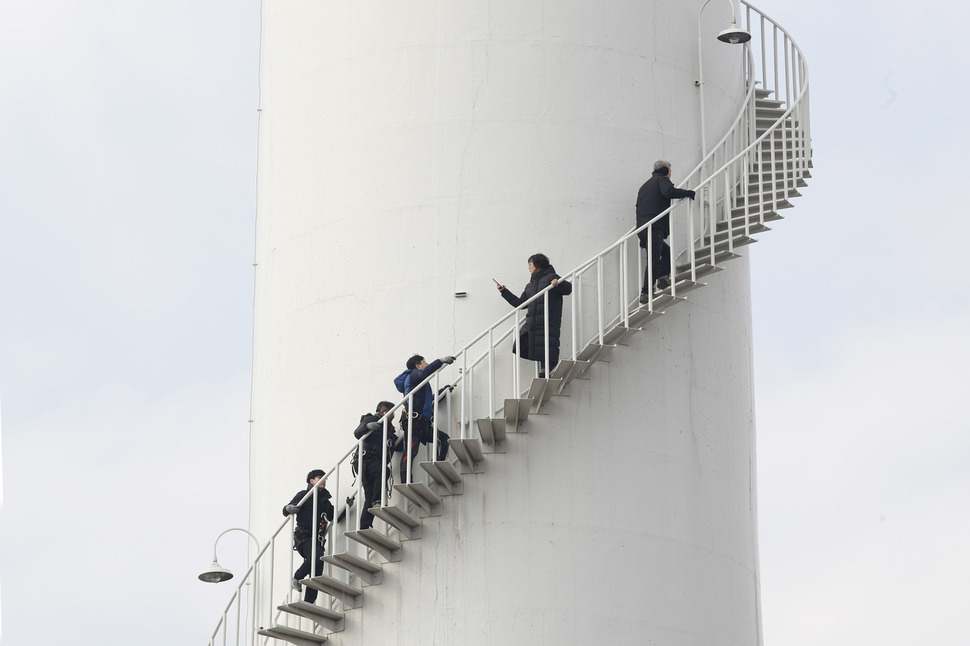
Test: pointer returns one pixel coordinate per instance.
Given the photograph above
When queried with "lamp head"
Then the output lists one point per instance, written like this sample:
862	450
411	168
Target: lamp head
734	35
215	574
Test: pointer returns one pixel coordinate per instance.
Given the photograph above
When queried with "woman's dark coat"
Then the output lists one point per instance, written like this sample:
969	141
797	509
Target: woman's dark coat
532	333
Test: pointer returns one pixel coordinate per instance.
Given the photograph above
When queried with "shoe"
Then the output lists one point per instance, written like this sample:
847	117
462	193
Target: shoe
295	584
542	374
644	298
376	505
663	283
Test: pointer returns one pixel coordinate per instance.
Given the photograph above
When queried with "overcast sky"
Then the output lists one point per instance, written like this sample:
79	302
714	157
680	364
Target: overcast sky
127	170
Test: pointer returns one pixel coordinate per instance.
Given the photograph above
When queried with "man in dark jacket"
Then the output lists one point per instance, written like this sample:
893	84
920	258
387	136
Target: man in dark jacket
421	414
309	528
372	430
532	345
652	200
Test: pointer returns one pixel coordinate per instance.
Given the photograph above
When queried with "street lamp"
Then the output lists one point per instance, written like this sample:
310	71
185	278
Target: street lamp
215	573
733	35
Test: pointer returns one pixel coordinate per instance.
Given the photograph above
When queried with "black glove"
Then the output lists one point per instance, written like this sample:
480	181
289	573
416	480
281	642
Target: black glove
691	194
448	360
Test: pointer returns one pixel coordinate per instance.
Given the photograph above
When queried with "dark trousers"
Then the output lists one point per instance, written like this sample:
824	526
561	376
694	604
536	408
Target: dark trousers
659	257
415	445
305	549
536	351
371	484
553	357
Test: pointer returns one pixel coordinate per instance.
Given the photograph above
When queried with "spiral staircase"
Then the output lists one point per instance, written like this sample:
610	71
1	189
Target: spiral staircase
746	182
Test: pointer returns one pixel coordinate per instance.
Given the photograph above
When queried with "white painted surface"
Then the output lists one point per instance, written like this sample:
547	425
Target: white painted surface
410	151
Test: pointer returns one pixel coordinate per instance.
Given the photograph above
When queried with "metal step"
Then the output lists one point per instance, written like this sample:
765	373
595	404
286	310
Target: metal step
542	391
642	314
724	246
294	636
618	334
781	204
661	301
682	287
516	412
469	453
682	272
492	430
769	110
419	493
754	227
593	352
769	104
782	144
777	155
754	216
387	547
782	162
738	233
769	197
369	573
775	175
780	131
764	122
400	519
348	594
720	257
445	474
770	184
324	617
567	370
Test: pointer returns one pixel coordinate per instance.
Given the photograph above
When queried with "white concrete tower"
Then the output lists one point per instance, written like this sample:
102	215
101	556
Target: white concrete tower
412	150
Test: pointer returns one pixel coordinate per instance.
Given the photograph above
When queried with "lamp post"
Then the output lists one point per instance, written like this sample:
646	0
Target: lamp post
733	35
215	573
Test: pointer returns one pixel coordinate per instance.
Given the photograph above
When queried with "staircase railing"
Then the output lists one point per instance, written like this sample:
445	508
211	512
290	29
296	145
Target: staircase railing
741	184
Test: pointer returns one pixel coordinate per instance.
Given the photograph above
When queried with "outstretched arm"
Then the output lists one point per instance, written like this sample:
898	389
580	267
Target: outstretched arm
511	298
669	191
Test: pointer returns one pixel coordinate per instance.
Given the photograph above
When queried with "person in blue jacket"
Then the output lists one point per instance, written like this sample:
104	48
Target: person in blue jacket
421	414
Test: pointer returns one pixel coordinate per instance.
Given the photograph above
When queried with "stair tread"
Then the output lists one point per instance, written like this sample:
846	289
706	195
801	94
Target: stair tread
469	452
325	583
311	608
346	558
293	635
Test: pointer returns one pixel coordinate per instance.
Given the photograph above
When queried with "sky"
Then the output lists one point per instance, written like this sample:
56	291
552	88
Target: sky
127	213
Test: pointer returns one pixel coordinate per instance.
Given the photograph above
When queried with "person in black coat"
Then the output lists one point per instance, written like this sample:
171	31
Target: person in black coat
372	430
307	528
532	344
652	200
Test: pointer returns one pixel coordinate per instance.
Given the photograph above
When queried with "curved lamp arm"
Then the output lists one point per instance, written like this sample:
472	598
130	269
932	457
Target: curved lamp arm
215	573
235	529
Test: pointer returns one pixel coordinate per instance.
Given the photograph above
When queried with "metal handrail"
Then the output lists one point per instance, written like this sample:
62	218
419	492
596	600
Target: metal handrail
704	227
